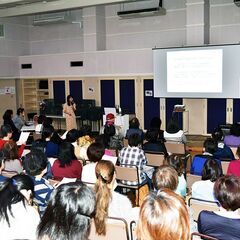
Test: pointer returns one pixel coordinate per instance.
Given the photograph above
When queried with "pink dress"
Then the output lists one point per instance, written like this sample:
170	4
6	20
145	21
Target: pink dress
70	117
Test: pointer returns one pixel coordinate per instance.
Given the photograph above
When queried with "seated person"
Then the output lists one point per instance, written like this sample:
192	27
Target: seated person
67	164
234	166
155	125
233	140
174	133
210	147
134	128
95	153
35	165
2	178
152	144
163	215
204	189
68	214
51	147
113	133
223	224
80	149
176	162
12	161
134	155
18	120
72	136
103	140
223	151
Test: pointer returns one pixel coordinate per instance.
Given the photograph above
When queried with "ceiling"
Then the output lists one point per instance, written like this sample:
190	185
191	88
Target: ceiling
12	8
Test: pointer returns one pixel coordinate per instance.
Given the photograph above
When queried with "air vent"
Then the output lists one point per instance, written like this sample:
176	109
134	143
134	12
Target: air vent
26	66
76	63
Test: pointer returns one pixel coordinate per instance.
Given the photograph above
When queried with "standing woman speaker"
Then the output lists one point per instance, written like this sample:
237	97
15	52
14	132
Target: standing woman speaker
69	109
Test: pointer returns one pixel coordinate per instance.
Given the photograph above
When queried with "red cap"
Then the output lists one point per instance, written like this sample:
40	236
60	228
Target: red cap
109	117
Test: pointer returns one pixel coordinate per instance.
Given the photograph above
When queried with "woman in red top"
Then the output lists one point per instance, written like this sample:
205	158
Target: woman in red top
67	164
234	166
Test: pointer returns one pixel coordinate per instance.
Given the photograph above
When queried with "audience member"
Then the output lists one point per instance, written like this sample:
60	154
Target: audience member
35	165
233	140
153	144
210	147
113	133
18	120
2	165
234	166
155	125
223	152
82	145
12	161
173	132
134	128
72	136
223	224
108	202
204	189
68	214
163	215
7	120
18	219
95	153
67	164
176	162
103	140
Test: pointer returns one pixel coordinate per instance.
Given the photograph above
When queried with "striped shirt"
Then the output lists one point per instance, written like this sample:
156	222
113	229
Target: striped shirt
134	156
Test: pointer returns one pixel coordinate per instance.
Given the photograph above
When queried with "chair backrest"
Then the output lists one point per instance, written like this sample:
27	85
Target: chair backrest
116	228
154	159
127	172
234	151
191	179
198	205
176	148
9	174
37	136
125	142
196	235
225	166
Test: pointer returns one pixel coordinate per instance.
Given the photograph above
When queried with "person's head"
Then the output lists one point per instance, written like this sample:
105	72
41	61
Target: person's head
95	152
8	114
69	100
134	123
227	192
175	161
66	154
235	130
210	146
19	188
110	119
134	140
165	177
211	170
102	139
155	123
35	163
20	111
173	126
10	150
72	136
105	174
6	131
68	213
47	131
217	134
163	215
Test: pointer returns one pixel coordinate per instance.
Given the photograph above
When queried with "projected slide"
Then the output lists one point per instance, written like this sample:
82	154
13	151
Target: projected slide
195	71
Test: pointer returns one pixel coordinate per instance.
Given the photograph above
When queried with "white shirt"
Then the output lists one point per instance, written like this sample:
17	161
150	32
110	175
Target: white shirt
88	173
23	223
175	137
203	190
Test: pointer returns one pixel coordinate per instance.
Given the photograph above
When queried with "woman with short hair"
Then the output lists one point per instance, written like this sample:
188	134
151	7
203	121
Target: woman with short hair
163	215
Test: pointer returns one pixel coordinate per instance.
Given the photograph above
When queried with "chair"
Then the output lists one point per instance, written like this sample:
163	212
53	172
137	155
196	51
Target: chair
191	179
198	205
225	166
196	235
116	228
234	150
176	148
127	172
37	136
154	159
9	174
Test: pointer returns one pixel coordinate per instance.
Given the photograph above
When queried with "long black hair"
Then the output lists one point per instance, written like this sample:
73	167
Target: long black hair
10	194
68	214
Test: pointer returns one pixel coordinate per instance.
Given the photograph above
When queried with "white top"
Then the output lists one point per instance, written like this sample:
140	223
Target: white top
88	173
175	137
23	225
203	190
